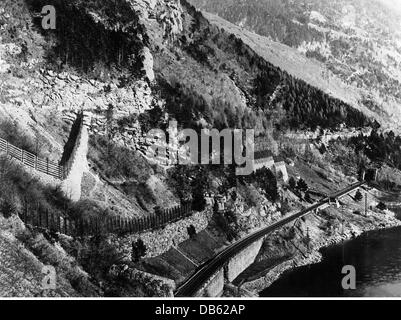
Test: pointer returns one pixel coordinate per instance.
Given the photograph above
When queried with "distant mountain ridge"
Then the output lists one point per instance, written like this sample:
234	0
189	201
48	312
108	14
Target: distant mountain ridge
358	41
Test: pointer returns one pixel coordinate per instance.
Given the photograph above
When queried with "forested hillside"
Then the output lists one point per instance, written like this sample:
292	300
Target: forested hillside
357	40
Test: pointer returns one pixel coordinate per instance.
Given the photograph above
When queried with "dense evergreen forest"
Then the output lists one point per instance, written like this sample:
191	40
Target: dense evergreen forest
380	147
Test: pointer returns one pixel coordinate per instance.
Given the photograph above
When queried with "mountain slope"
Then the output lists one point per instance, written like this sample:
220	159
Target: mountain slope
135	65
358	41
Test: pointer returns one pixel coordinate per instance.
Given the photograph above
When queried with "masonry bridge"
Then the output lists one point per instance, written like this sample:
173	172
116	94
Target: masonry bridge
209	279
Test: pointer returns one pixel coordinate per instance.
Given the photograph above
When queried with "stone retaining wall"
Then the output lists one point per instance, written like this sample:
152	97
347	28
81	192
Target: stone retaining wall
161	240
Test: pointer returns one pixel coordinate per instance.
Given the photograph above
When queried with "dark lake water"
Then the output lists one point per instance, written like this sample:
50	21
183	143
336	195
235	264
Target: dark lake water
375	255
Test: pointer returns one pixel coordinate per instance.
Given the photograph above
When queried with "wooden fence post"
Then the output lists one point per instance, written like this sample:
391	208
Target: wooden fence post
90	226
51	219
39	219
25	213
109	225
84	227
54	221
149	223
47	218
81	226
97	225
37	212
106	225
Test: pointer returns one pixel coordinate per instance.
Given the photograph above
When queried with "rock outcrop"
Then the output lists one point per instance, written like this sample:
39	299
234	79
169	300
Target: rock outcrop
156	286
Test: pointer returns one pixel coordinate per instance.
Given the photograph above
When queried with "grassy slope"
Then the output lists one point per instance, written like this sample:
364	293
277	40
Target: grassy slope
23	256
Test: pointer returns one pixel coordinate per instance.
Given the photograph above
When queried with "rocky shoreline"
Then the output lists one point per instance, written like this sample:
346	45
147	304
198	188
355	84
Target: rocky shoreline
380	221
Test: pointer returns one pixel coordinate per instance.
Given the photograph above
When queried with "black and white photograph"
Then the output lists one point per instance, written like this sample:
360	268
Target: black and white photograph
204	150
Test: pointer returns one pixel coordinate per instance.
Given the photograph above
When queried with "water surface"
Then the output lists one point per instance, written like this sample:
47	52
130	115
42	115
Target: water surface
376	256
